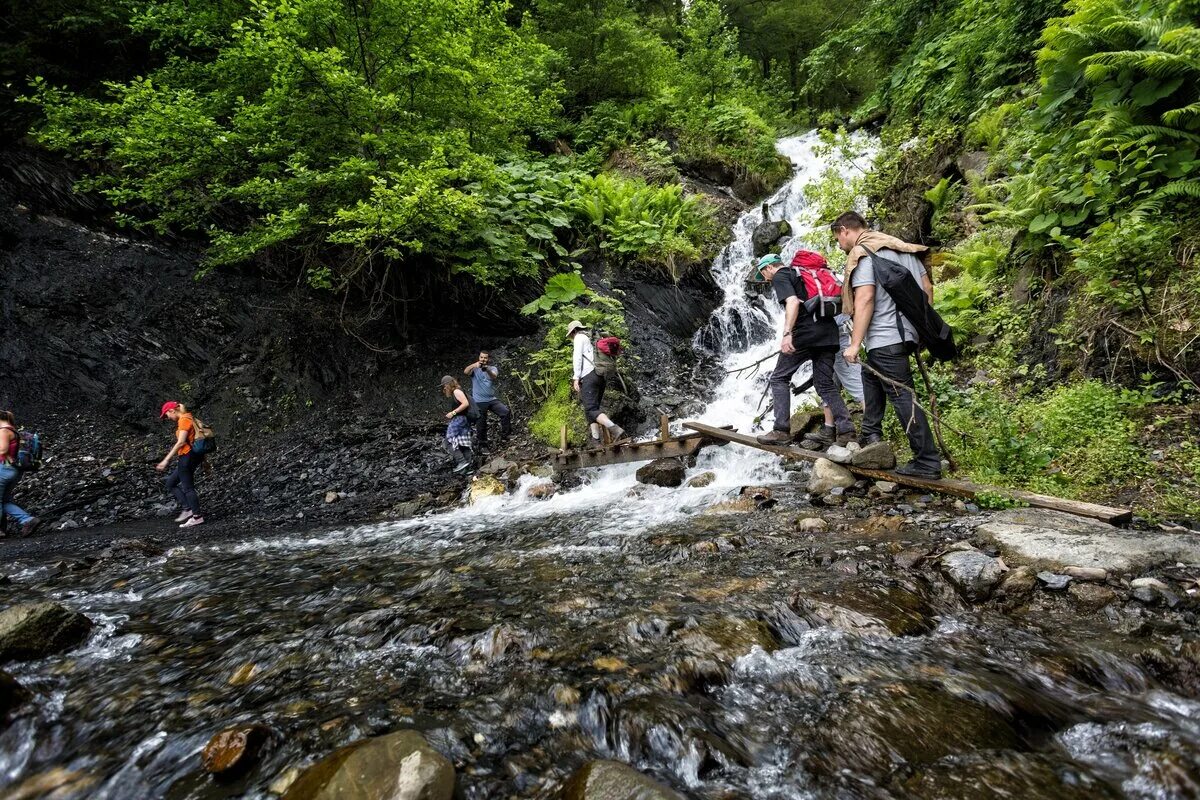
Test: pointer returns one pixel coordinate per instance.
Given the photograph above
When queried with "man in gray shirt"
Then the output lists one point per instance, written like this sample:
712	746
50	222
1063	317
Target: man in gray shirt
483	395
889	339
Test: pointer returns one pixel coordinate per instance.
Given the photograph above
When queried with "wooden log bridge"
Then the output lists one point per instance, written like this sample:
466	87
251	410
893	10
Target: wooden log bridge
665	446
967	489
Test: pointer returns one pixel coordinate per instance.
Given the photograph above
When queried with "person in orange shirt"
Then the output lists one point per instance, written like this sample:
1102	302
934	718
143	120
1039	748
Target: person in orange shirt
181	482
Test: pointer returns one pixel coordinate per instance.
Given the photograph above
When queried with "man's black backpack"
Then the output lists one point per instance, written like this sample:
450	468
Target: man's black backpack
933	332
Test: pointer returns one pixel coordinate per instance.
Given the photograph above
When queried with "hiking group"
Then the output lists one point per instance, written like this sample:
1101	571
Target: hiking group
882	305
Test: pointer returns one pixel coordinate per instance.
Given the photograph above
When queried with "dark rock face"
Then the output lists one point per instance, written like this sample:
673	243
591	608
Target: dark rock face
397	766
35	630
767	234
612	780
662	472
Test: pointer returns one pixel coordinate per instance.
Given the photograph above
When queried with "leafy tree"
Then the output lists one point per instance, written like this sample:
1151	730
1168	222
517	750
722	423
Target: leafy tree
711	64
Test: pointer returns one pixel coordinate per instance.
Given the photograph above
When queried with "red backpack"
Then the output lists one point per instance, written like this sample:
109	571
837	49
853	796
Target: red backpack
610	346
823	287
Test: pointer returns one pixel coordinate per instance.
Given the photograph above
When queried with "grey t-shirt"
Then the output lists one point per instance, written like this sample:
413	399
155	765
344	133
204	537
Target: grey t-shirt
883	330
483	384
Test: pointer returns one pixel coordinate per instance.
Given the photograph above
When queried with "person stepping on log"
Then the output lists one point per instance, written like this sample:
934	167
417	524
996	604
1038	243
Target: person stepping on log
811	298
590	384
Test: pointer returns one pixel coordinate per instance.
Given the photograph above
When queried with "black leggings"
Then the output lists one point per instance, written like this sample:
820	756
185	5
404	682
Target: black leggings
591	393
181	482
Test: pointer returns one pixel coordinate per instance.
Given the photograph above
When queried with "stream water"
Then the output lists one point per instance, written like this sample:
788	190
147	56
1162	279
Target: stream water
616	621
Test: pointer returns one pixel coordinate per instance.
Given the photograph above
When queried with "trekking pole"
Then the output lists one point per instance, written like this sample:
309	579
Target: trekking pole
913	392
937	419
753	366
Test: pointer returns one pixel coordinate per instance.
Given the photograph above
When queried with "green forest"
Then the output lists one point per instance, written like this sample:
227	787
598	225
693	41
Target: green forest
386	150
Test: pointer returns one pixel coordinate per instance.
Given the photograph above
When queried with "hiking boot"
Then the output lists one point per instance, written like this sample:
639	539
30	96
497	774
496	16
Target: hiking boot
775	437
184	516
193	521
461	467
29	526
846	437
915	470
869	438
819	439
618	435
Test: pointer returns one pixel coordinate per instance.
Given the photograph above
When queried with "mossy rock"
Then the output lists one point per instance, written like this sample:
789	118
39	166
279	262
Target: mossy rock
612	780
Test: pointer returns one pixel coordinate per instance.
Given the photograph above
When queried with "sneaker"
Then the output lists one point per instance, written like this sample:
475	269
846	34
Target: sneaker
184	516
193	521
775	437
914	470
29	526
847	437
462	467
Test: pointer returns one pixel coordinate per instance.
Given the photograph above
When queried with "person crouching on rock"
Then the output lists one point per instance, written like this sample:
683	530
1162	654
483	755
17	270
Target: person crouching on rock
458	432
11	513
590	384
181	483
810	296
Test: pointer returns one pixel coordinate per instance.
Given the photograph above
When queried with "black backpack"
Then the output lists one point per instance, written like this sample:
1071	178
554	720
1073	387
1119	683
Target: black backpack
933	332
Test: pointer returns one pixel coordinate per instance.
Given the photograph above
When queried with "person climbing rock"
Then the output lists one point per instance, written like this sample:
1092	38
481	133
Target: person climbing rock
808	292
590	384
889	339
483	396
181	482
13	518
458	432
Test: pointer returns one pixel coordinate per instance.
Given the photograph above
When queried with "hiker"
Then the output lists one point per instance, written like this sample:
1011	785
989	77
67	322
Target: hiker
590	383
483	396
458	432
849	376
888	336
10	443
181	483
810	294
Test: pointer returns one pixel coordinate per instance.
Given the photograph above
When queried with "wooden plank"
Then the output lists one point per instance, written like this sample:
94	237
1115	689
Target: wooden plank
629	453
563	440
960	488
664	427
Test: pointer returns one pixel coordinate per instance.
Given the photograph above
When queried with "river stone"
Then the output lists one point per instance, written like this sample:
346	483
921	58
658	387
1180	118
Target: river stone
838	454
1005	775
1087	573
234	750
397	766
542	491
876	728
497	466
826	475
727	638
662	472
1053	581
973	573
764	235
812	525
35	630
612	780
876	456
485	486
867	608
1091	596
1056	540
1017	584
702	480
12	696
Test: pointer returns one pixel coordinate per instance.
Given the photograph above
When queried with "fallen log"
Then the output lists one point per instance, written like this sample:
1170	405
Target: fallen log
951	486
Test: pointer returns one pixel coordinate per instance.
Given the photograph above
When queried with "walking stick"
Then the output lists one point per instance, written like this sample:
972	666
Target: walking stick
933	412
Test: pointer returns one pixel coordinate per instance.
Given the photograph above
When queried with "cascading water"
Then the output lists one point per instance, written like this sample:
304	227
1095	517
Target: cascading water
615	621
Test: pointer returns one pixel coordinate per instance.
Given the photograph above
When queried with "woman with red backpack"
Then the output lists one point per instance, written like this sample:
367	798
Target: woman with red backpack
589	379
10	443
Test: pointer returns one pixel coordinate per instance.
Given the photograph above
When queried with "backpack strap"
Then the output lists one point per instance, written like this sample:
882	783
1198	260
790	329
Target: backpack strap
899	316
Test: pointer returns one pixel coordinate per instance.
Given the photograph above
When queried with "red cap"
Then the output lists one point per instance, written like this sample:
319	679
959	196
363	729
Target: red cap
170	405
809	258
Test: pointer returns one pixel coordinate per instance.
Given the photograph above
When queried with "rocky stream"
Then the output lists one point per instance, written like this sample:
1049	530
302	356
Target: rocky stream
749	634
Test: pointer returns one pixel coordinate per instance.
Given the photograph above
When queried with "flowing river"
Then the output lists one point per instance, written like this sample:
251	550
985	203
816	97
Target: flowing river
612	621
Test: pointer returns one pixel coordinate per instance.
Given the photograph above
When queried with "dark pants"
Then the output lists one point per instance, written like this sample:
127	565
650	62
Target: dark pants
181	482
892	361
822	365
591	393
501	411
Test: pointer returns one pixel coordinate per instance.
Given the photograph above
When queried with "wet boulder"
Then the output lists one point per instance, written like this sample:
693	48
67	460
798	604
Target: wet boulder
486	486
542	491
234	750
726	638
766	234
868	608
827	475
973	573
662	472
1003	776
396	766
875	456
35	630
877	728
612	780
702	480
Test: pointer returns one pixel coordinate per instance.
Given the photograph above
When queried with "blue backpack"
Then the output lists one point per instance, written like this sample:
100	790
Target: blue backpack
29	452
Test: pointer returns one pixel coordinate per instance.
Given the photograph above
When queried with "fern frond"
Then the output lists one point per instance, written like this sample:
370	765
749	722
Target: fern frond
1181	116
1159	131
1154	63
1148	29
